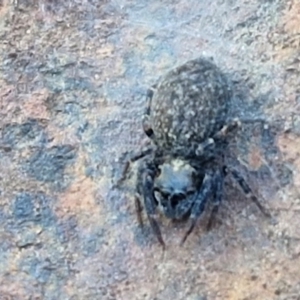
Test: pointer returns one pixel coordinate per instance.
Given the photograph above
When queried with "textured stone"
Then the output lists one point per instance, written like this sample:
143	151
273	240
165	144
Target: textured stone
73	79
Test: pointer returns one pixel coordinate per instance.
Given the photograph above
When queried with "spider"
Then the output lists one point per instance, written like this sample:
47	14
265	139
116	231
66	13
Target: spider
187	120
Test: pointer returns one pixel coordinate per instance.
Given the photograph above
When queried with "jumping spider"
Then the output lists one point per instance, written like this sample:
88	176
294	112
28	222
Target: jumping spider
187	120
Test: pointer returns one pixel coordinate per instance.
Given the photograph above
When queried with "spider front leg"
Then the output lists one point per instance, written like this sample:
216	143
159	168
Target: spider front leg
132	158
201	198
145	188
218	196
138	209
148	131
247	190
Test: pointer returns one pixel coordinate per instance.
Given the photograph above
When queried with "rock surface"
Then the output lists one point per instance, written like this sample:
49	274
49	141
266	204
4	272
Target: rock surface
73	77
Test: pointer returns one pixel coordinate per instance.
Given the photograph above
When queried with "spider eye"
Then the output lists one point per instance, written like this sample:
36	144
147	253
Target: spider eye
190	192
149	131
161	195
165	195
158	171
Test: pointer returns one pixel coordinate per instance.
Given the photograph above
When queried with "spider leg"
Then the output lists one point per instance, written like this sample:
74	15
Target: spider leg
220	135
202	148
230	127
138	209
247	190
183	207
149	96
132	158
199	204
146	122
150	205
148	131
218	196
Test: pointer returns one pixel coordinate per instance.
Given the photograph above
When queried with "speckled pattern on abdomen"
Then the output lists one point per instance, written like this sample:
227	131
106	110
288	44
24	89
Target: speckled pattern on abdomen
189	105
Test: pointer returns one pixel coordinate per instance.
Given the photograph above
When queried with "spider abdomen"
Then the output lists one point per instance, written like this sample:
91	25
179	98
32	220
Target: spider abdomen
189	105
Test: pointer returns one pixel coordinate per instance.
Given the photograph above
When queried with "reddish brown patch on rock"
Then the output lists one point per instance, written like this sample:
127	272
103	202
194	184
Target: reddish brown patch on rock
59	136
79	197
9	107
254	158
15	108
287	36
291	18
3	7
82	196
289	144
35	106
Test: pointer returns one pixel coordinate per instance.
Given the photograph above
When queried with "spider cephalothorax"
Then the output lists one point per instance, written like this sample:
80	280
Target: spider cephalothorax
188	121
176	182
